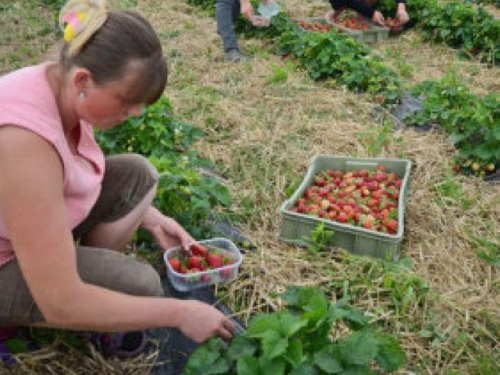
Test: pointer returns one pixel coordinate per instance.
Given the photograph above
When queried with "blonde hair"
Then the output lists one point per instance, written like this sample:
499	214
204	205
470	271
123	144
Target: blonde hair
111	44
94	14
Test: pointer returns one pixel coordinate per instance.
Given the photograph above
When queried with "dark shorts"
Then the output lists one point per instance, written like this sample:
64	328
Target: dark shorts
127	180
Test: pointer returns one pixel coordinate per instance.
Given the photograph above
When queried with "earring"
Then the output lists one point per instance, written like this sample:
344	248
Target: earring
81	94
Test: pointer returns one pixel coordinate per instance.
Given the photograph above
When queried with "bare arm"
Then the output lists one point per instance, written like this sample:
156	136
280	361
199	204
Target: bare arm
246	9
31	201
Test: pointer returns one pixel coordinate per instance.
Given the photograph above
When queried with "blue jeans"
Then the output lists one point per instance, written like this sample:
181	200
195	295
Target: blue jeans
226	13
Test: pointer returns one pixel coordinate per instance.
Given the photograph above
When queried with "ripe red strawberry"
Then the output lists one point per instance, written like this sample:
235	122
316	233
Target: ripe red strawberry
342	217
194	261
392	226
214	259
199	249
175	263
226	273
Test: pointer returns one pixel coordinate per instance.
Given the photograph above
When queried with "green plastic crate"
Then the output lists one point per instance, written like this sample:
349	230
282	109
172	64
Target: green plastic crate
357	240
374	35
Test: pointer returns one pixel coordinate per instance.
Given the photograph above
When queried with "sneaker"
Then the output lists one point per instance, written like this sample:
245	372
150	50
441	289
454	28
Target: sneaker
234	55
120	344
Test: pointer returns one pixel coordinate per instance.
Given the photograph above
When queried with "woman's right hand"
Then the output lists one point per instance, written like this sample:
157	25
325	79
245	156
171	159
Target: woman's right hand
246	9
200	321
378	18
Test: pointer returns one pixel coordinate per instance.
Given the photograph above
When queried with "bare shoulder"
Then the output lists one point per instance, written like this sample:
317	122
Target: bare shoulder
22	150
31	172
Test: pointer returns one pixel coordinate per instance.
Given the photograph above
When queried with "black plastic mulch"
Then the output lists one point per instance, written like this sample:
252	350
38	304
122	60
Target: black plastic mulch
174	347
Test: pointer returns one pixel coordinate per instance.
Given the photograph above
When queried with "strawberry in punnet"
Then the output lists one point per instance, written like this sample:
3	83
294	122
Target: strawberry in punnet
175	263
214	259
194	262
225	273
205	277
199	249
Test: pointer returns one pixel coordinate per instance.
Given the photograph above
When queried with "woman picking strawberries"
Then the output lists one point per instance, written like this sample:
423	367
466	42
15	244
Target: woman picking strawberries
65	209
366	9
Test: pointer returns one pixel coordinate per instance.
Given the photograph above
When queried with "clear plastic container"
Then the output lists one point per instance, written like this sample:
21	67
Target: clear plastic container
190	281
269	9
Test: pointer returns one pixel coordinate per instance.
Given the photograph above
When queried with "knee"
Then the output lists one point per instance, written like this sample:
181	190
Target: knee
147	282
143	166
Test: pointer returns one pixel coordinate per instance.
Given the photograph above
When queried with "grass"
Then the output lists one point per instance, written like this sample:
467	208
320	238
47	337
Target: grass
264	119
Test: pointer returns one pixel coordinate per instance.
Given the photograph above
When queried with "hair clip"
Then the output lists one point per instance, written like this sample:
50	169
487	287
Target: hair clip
74	25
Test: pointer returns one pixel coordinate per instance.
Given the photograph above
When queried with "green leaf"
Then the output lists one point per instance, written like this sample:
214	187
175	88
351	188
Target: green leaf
359	370
359	348
496	131
457	137
484	152
390	355
271	367
16	345
247	365
241	346
273	344
295	353
356	319
222	194
262	324
297	296
207	359
326	361
305	369
290	324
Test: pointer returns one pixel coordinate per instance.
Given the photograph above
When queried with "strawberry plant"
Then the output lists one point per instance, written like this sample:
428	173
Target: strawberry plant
472	30
298	341
332	55
182	192
472	122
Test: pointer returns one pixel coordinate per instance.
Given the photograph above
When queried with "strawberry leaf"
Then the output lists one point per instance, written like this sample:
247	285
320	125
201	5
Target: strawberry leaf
326	361
273	344
241	346
295	353
262	324
390	354
290	324
305	368
247	365
359	348
272	367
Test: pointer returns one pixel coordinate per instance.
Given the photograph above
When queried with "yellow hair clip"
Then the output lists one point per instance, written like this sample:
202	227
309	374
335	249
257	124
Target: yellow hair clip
74	25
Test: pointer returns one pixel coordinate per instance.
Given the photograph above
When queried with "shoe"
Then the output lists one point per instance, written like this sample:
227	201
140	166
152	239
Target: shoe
234	55
120	344
7	333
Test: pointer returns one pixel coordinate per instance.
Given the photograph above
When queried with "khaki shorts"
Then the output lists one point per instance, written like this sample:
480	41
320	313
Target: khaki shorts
127	180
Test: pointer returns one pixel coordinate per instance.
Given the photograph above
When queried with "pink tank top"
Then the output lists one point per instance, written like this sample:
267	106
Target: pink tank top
27	101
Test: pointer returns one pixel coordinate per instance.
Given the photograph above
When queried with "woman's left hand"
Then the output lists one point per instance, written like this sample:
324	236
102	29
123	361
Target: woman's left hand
402	14
166	231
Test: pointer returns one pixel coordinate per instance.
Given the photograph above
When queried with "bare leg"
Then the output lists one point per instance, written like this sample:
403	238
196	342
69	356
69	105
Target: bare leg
117	234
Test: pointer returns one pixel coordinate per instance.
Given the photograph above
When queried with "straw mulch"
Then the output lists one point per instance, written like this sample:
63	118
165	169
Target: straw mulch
262	132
